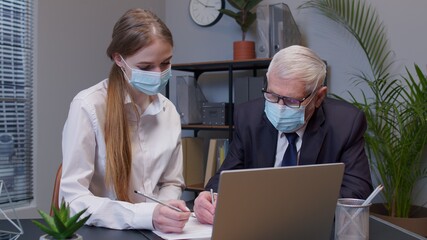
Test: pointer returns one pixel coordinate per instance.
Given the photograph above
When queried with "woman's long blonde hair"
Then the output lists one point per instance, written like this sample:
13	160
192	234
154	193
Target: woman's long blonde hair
136	29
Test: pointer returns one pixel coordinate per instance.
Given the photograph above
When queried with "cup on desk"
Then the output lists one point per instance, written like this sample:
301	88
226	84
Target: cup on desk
351	219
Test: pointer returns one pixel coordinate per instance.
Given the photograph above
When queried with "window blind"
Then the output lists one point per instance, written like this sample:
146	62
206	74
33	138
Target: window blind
16	86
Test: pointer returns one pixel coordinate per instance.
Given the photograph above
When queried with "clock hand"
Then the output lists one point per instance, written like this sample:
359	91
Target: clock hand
206	6
202	3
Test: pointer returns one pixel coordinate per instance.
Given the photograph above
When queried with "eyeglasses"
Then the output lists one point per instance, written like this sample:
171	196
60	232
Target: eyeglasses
288	101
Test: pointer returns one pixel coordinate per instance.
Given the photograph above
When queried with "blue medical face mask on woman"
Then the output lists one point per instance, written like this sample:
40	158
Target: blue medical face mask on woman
148	82
284	118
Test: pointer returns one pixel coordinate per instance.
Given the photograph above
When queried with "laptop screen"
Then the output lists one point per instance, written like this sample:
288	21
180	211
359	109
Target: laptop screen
278	203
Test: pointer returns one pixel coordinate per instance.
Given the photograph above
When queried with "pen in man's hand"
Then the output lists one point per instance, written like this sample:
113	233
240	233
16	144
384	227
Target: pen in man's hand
212	197
158	201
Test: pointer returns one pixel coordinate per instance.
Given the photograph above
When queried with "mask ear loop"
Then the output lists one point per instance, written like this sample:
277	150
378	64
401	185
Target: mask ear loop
134	105
123	70
312	92
124	62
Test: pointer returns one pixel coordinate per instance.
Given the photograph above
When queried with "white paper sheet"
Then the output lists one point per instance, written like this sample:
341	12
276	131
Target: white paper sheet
192	230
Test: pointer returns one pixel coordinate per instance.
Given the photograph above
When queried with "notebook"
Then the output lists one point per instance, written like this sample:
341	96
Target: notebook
278	203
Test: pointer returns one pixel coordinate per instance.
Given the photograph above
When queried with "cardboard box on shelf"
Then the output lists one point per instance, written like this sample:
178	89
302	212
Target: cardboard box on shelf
215	113
192	149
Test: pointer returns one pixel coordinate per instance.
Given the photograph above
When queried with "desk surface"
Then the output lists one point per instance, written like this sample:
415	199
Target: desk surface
378	230
32	232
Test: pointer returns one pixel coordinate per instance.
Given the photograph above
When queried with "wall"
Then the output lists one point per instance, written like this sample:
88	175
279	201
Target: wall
72	37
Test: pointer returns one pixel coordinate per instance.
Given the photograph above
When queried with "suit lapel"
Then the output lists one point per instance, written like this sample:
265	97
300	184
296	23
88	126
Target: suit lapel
268	146
313	138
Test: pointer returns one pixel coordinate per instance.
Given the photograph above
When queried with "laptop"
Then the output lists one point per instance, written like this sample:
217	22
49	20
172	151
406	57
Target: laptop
278	203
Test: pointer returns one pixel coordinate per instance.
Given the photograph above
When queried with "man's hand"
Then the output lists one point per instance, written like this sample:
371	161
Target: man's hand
204	209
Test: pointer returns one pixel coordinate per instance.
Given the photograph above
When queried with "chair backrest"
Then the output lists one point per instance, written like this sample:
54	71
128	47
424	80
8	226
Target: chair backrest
55	194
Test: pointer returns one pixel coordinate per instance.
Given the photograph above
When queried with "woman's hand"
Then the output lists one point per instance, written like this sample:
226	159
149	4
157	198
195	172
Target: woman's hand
168	220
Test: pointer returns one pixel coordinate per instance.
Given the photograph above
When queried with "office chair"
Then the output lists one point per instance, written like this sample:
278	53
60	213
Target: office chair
55	194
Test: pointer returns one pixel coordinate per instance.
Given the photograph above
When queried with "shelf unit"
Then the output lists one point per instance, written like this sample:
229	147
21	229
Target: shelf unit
198	68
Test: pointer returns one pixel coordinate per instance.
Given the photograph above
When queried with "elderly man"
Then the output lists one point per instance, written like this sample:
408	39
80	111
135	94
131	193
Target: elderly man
296	124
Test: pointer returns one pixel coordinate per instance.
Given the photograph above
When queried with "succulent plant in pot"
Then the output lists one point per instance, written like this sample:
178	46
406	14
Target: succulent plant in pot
245	16
61	225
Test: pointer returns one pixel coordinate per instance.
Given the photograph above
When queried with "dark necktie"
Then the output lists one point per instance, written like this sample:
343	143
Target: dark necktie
290	156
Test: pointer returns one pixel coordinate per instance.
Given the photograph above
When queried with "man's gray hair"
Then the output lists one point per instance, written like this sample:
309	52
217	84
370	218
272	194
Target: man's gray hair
300	63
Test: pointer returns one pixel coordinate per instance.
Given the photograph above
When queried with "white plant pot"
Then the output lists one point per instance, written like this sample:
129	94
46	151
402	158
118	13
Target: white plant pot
48	237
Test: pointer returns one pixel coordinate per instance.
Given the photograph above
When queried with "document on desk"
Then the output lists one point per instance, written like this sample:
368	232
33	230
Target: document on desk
192	230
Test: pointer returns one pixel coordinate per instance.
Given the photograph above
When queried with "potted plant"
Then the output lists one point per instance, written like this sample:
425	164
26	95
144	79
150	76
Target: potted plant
396	113
245	17
61	225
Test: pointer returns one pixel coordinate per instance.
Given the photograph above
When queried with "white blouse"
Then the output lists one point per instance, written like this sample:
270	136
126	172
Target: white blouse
156	160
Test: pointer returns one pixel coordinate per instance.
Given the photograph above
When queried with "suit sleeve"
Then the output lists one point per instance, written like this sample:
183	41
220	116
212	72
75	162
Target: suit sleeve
235	155
357	176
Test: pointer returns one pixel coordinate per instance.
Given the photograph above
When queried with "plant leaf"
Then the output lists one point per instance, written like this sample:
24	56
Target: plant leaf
49	220
44	228
238	4
251	4
59	221
396	113
73	228
74	218
229	13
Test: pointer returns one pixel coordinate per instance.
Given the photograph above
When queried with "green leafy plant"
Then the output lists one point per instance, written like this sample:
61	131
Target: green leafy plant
61	225
397	111
244	16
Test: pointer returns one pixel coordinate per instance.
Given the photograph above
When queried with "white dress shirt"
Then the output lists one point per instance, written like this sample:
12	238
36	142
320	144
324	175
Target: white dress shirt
156	160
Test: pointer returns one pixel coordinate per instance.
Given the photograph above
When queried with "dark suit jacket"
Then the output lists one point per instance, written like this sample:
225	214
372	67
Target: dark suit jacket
333	134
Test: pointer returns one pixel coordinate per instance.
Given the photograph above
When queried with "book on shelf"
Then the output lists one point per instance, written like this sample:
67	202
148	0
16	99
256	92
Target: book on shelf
216	154
221	151
210	162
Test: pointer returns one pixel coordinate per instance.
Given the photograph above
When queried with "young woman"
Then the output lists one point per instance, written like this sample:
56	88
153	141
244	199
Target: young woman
122	135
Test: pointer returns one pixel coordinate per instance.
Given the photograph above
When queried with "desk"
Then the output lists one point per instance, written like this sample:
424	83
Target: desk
32	232
378	230
383	230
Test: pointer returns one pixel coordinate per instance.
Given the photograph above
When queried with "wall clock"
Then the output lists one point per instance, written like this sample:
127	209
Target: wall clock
205	12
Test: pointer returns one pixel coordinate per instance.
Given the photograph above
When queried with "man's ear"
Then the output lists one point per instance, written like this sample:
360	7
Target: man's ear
321	94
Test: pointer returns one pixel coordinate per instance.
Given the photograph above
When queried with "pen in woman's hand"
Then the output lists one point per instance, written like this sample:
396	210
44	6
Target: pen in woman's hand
159	201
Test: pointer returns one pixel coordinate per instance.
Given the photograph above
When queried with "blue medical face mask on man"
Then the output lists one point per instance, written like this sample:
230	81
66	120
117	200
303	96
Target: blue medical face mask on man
148	82
284	118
